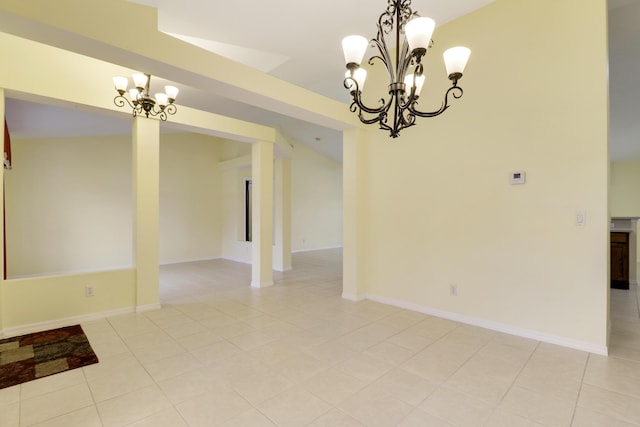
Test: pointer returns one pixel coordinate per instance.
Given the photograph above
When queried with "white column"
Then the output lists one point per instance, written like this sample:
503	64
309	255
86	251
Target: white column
354	220
146	207
262	214
282	220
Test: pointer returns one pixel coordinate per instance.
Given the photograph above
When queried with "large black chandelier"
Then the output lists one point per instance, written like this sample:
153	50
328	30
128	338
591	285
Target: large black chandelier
406	74
139	99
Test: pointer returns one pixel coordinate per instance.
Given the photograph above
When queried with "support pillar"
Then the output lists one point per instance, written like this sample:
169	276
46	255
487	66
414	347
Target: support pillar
354	218
146	207
262	214
282	220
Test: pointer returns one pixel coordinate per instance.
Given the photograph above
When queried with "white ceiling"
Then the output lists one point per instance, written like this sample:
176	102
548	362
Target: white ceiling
303	47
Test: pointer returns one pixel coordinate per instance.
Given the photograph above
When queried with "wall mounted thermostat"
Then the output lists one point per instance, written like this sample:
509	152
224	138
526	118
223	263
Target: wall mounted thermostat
517	177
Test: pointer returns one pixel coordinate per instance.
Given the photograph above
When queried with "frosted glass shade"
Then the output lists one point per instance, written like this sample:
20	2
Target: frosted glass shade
140	80
455	59
121	83
359	75
418	32
134	94
408	81
171	91
354	48
161	99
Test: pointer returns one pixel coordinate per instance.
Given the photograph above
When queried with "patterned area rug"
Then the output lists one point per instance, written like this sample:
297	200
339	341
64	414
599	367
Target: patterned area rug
28	357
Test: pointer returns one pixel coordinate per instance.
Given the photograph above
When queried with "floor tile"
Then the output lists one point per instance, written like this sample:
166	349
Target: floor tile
251	418
10	414
259	387
420	418
192	384
336	418
614	405
585	417
45	406
457	408
166	418
216	352
132	407
51	383
213	409
542	408
334	386
294	407
86	417
172	366
390	353
10	394
374	410
365	368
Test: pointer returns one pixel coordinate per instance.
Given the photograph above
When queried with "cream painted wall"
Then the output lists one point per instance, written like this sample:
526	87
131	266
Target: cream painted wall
43	300
68	206
316	200
190	198
69	203
624	198
440	210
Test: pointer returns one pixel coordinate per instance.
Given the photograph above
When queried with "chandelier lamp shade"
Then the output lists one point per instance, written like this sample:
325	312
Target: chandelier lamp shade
406	73
139	99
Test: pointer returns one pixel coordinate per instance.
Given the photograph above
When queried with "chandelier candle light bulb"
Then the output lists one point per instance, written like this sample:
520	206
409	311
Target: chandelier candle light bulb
406	75
139	99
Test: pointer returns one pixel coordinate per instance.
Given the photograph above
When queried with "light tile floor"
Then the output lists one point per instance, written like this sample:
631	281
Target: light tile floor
220	353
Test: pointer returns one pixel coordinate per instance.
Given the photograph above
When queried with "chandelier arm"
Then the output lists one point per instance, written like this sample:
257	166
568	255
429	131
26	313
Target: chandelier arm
384	57
121	101
170	109
407	58
357	100
455	91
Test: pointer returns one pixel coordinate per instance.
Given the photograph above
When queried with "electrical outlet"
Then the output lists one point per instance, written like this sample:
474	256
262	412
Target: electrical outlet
453	289
88	291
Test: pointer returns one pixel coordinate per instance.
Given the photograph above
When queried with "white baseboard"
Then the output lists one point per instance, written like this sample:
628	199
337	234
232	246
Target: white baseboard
283	269
259	285
59	323
315	249
633	282
242	261
189	260
352	297
487	324
148	307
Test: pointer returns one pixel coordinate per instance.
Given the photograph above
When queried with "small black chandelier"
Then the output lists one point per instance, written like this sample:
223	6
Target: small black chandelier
141	102
406	74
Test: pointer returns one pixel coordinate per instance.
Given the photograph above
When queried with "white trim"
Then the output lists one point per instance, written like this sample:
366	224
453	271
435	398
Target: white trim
190	260
282	270
495	326
148	307
59	323
259	285
70	272
633	282
316	249
242	261
352	297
